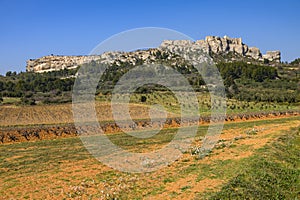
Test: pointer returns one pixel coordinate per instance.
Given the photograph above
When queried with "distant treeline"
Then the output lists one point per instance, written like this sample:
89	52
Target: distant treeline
242	81
232	71
34	86
249	82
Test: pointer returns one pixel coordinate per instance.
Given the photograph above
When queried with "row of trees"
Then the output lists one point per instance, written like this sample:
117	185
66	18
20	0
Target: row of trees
34	86
242	81
34	83
295	62
246	71
249	82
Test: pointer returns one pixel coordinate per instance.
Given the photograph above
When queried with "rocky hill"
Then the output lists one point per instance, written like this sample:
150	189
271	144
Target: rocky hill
223	45
220	49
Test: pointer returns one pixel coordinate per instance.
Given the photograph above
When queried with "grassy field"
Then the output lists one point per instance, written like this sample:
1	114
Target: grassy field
169	101
253	160
11	100
273	173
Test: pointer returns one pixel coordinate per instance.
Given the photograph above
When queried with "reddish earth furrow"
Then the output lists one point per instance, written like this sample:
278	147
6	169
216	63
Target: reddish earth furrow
40	132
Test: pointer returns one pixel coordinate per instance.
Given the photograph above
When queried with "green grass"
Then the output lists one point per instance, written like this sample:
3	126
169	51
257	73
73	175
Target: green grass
171	104
11	100
184	188
250	124
273	173
36	157
164	136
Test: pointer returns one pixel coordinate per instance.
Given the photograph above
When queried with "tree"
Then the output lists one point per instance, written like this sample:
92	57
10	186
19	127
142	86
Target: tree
1	86
9	86
28	101
295	62
9	73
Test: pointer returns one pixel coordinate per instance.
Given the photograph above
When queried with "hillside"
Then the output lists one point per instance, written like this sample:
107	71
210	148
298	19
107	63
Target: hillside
221	49
255	155
247	74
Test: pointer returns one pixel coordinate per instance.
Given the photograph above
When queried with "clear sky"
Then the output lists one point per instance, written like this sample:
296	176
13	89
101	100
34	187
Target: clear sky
34	28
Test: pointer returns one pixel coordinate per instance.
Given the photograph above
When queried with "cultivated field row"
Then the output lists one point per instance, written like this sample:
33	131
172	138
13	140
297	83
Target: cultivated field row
260	155
11	134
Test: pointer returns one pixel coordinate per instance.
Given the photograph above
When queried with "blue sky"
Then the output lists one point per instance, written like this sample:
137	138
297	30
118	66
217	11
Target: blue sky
34	28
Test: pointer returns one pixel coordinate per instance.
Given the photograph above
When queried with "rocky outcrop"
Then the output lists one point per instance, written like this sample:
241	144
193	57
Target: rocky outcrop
218	45
272	56
254	52
221	45
212	45
54	63
187	49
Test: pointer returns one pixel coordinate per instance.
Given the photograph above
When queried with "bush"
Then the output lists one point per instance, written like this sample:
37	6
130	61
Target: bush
27	101
143	98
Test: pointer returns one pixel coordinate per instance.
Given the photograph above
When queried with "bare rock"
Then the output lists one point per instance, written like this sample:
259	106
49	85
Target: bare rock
211	44
254	52
273	56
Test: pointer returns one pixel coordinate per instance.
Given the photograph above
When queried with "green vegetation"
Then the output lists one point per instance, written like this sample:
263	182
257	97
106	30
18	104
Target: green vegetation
271	174
171	104
11	100
246	71
243	82
50	87
247	82
295	62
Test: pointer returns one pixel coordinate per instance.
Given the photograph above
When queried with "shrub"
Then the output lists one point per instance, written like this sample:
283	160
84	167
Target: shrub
143	98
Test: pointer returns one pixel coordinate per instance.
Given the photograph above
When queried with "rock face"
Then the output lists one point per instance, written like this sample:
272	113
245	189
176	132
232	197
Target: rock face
226	44
221	45
211	45
186	49
272	56
254	52
54	63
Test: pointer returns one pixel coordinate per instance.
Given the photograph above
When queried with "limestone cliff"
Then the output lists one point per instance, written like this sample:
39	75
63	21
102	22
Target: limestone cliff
226	44
53	63
213	45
